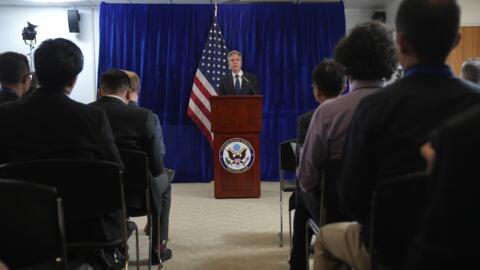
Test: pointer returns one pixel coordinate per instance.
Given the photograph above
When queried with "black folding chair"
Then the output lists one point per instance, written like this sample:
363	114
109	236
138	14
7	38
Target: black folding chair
396	209
92	192
137	184
288	163
32	232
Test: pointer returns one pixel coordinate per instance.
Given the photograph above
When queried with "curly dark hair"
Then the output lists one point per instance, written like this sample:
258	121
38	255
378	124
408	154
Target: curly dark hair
368	52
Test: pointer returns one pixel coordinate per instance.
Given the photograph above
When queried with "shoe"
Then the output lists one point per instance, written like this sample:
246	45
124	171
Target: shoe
164	256
131	227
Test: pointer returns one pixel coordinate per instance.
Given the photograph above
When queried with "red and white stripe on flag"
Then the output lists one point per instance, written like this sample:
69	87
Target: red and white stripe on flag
199	104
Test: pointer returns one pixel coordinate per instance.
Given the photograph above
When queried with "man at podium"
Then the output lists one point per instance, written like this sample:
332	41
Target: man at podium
237	82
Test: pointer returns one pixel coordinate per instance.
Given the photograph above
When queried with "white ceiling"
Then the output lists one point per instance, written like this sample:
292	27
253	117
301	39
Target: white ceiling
93	3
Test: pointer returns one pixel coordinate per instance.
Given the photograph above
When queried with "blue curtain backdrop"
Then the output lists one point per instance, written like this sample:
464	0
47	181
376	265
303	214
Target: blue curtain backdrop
280	43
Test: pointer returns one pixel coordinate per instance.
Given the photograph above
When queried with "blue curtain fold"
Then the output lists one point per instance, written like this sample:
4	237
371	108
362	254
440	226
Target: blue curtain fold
280	43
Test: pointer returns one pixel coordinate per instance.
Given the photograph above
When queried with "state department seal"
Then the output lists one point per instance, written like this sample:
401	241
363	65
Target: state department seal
237	155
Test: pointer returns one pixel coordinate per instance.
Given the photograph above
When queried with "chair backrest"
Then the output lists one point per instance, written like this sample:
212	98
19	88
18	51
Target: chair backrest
89	188
288	158
330	205
397	207
32	227
288	163
136	179
135	174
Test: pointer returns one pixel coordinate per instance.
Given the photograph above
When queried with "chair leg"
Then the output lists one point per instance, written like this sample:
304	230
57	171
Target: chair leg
149	217
138	251
281	218
307	247
159	241
290	228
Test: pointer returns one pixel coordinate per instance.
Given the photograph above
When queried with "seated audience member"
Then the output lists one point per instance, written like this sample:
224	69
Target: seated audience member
449	230
15	76
321	76
48	124
388	127
471	70
367	64
135	128
134	91
328	80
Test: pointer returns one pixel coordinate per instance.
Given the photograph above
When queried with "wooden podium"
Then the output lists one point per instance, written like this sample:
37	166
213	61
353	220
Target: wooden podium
236	125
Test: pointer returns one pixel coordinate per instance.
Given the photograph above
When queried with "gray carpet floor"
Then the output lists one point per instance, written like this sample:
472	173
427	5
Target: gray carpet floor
206	233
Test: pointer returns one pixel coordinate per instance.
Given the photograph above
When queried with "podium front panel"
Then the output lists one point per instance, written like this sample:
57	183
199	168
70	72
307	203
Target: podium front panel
236	114
235	180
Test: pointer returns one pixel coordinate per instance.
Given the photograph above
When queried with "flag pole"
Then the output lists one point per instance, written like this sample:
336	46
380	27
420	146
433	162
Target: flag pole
216	9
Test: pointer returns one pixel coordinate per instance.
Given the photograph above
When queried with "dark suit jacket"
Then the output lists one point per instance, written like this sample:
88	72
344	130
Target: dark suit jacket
303	122
7	95
48	124
136	128
450	225
386	133
251	87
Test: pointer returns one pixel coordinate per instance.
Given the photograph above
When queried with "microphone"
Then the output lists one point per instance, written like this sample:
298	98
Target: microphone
244	78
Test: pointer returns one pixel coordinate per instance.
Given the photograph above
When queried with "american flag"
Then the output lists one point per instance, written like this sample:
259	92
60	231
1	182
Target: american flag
213	66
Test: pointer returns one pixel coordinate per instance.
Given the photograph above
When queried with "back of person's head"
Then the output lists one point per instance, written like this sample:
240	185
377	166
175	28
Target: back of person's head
114	82
471	70
430	26
368	52
57	63
329	78
13	68
134	81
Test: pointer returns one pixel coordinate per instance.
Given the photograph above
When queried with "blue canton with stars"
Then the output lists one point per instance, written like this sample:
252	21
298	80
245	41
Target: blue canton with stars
213	64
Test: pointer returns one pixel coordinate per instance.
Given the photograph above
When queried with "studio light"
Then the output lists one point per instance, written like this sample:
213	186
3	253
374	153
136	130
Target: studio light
29	34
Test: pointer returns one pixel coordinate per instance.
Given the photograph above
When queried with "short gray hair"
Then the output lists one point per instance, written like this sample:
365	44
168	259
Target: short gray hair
471	70
234	52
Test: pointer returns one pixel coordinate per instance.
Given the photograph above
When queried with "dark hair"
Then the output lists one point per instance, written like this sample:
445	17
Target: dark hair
471	70
368	52
57	62
13	67
329	77
114	81
431	26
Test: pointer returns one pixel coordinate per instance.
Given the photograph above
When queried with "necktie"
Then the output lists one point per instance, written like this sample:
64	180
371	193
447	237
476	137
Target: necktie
237	84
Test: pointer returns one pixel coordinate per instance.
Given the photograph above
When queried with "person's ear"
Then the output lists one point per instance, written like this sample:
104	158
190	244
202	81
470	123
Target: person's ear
403	43
127	95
